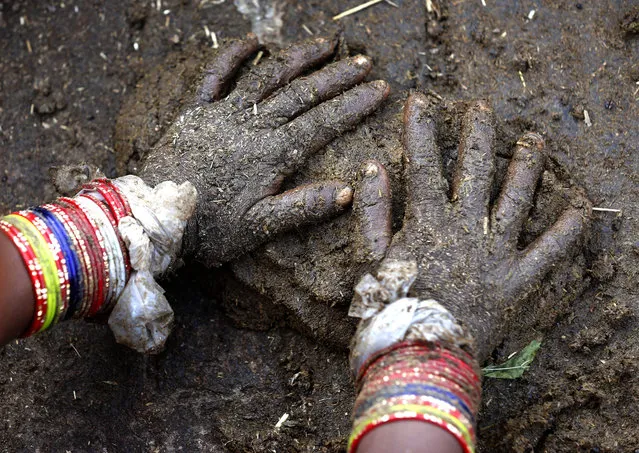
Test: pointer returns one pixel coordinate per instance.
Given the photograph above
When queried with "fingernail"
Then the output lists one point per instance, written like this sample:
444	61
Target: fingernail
416	98
344	197
371	170
362	60
532	140
326	44
382	85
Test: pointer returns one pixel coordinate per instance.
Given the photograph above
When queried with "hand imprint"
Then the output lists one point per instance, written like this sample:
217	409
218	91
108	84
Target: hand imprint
467	251
238	150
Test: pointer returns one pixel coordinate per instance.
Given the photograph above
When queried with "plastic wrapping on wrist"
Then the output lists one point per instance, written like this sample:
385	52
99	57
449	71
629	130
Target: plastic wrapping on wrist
142	318
389	316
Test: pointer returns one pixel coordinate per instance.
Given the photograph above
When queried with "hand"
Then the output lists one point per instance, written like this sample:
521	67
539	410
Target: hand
312	277
466	251
237	151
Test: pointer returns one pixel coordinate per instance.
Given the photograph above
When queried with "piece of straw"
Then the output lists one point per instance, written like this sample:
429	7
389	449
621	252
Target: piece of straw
356	9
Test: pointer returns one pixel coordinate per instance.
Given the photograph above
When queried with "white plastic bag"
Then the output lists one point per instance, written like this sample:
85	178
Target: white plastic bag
142	319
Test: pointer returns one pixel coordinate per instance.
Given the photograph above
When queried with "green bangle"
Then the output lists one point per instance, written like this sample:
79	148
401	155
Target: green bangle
47	261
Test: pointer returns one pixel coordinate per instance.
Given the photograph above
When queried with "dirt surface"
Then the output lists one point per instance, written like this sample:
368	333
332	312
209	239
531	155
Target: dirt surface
70	74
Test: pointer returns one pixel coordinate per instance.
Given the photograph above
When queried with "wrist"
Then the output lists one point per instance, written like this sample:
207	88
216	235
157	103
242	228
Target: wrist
413	361
94	256
416	381
408	435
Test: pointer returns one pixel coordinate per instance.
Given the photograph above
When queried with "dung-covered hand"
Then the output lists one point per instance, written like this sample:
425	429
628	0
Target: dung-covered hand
466	251
238	150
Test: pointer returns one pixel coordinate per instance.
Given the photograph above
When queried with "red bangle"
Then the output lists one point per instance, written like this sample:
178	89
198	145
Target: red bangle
361	373
118	192
113	270
114	214
35	274
111	198
101	254
440	381
81	251
449	365
96	251
463	380
60	263
122	204
415	380
88	250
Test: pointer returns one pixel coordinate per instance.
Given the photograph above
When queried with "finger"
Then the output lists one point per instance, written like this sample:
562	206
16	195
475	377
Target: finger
219	71
516	198
274	73
298	207
372	209
313	130
426	186
475	165
548	251
304	93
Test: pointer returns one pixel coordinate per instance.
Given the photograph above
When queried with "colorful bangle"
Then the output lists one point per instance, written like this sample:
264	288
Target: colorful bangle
125	202
88	245
98	213
93	212
100	254
110	197
60	262
415	380
107	197
71	259
78	262
76	258
79	246
42	252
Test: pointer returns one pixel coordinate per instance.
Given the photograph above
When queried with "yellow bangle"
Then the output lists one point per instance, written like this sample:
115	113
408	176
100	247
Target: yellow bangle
47	261
428	414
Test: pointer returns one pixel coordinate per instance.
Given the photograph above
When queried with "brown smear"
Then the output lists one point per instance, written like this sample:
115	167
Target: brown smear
225	388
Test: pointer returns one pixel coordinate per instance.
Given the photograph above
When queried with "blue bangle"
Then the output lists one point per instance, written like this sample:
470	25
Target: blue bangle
73	263
418	389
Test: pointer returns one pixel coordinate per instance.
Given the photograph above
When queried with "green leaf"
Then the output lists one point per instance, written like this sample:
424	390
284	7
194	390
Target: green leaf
514	367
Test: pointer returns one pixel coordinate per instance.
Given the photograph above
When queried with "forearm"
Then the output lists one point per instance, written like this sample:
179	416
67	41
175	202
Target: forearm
16	293
62	260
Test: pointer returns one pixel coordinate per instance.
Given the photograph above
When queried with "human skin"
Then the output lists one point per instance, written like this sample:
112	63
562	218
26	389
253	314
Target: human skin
465	249
237	151
485	276
242	216
16	311
409	437
16	295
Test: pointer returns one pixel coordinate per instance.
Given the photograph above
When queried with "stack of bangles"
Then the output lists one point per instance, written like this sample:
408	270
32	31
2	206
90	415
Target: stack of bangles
415	380
74	253
412	359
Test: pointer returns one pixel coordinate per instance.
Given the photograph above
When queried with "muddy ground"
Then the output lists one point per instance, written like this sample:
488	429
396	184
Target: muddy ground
68	71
